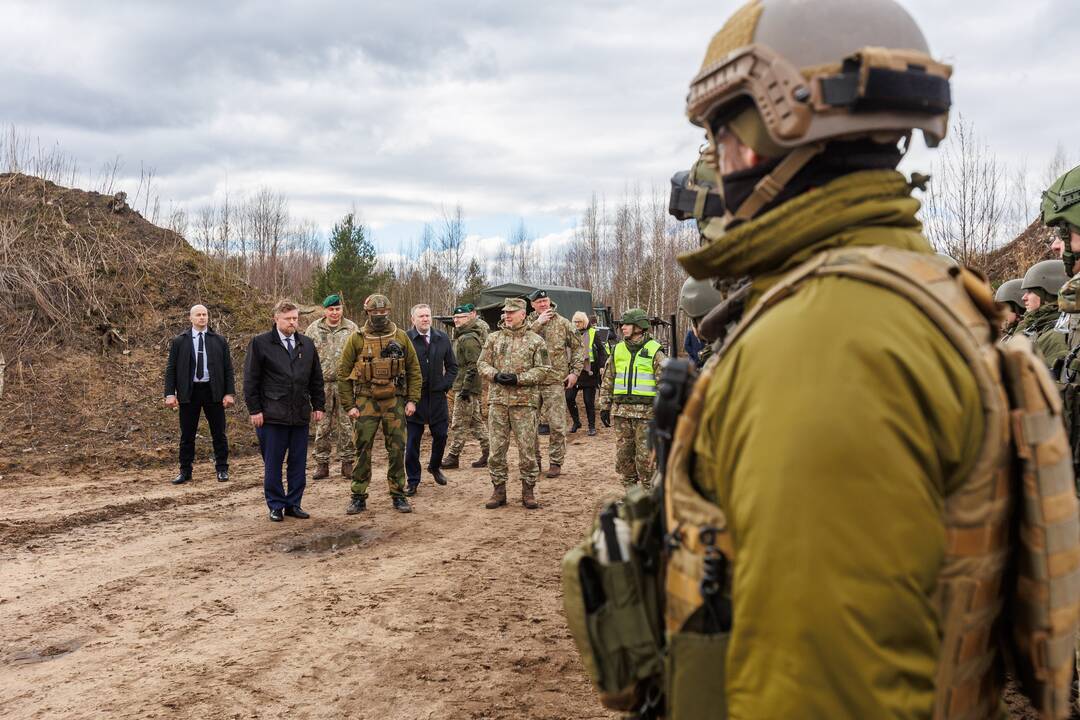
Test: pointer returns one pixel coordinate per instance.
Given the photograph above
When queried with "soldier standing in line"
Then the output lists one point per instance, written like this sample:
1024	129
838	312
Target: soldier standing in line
515	360
630	385
1043	322
567	355
329	334
379	381
1010	297
468	389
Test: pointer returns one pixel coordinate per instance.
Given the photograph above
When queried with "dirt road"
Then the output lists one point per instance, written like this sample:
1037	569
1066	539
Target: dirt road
122	596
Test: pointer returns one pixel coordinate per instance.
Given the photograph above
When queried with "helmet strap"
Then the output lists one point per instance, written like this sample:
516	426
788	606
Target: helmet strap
773	184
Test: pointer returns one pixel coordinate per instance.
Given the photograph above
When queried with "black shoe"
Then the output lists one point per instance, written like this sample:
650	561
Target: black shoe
276	515
297	512
357	504
222	475
440	479
410	489
592	431
402	505
575	427
543	430
183	477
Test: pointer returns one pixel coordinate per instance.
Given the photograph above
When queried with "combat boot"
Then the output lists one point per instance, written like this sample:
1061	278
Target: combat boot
322	470
450	463
346	468
358	504
527	497
554	470
401	504
498	497
482	462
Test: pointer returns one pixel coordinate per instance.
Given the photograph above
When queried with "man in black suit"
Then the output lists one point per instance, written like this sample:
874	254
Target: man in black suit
199	380
438	368
283	389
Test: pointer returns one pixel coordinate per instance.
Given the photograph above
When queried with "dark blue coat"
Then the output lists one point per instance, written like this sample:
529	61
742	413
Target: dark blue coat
438	367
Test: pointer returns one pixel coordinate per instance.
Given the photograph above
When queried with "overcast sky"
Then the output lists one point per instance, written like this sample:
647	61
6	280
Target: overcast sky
515	110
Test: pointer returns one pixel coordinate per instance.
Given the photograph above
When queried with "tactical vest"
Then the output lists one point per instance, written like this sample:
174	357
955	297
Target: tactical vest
380	366
1015	514
634	378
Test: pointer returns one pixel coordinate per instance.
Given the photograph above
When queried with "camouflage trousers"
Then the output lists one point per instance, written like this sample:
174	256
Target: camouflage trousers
553	413
633	459
519	421
336	421
467	420
390	415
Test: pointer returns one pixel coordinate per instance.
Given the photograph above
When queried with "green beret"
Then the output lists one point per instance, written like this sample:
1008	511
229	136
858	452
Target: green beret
462	309
334	299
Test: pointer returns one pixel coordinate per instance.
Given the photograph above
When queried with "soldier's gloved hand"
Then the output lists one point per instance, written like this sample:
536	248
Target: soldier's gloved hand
506	378
605	417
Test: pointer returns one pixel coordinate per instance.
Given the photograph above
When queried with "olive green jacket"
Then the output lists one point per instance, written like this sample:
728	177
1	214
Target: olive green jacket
832	431
1041	326
468	342
349	390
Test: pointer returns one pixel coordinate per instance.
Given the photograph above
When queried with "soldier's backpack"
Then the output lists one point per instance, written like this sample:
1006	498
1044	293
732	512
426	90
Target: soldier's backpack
1010	580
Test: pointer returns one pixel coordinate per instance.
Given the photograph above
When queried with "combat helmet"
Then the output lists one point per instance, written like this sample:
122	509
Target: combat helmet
787	76
1047	276
635	316
1011	291
1061	210
698	297
377	302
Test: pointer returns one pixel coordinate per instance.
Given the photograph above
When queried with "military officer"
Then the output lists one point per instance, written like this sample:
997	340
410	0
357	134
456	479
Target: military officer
1043	322
468	389
840	447
1010	298
329	334
515	360
630	386
379	381
567	355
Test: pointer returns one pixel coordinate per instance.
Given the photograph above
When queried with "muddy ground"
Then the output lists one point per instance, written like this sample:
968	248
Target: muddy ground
122	596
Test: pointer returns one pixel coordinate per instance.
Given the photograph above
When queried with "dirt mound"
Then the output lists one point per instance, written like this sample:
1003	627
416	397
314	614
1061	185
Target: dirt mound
1012	259
93	293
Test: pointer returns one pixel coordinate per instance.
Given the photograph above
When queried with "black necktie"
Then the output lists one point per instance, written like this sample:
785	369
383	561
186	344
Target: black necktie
288	341
200	362
427	340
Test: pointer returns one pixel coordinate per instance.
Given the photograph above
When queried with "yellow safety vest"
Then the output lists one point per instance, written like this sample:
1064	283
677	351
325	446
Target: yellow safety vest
634	371
592	339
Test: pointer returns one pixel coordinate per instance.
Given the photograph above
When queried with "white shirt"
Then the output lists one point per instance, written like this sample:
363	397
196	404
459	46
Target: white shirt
195	356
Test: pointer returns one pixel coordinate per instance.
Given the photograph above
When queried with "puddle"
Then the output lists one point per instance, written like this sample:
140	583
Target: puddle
50	652
331	542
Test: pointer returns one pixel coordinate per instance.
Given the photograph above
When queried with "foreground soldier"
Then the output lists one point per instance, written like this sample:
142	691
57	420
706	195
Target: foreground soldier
468	389
630	385
567	356
847	451
379	380
515	360
1010	298
329	334
1042	322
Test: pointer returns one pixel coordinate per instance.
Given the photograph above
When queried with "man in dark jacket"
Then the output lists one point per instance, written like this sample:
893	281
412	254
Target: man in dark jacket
283	389
595	360
199	380
438	368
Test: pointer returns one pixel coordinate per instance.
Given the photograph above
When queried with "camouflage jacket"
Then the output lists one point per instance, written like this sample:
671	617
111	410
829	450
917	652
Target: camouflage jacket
329	341
409	383
564	345
468	342
519	351
1041	326
607	390
484	328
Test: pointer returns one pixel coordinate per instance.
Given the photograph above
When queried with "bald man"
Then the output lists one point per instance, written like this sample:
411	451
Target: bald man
199	380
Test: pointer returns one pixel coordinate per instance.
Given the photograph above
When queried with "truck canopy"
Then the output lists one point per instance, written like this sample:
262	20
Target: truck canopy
568	300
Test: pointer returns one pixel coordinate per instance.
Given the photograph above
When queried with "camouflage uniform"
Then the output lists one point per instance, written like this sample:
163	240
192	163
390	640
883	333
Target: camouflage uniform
329	341
389	413
484	328
468	389
512	409
568	355
631	417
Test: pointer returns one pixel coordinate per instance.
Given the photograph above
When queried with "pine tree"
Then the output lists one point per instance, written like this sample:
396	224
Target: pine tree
475	282
353	267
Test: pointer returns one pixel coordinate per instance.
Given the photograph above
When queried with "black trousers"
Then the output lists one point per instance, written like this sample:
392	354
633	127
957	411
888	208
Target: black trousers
590	404
189	422
439	432
278	442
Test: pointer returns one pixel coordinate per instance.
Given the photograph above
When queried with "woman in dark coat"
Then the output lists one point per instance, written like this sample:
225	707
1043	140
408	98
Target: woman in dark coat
590	376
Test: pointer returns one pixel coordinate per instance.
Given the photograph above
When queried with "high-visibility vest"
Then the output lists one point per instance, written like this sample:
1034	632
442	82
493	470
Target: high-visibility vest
592	339
634	371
